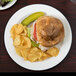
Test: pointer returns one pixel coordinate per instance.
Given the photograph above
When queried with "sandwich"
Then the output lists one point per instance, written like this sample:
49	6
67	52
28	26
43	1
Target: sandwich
47	31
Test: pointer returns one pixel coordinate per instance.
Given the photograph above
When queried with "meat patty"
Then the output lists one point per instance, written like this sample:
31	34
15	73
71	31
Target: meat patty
50	31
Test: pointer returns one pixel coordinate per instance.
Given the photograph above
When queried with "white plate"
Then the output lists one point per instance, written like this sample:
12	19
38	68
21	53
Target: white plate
48	63
8	5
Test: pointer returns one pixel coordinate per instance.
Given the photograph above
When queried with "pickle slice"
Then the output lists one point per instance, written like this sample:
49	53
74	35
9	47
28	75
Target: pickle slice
31	18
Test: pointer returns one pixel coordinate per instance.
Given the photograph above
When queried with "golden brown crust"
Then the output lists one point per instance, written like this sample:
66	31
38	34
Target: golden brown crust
50	31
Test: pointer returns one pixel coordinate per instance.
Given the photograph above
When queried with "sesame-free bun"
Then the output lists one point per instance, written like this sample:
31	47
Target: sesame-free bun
50	31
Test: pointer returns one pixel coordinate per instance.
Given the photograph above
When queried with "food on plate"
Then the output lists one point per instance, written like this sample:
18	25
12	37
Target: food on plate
19	29
53	51
18	51
4	2
37	42
34	54
34	44
17	40
28	31
26	42
50	31
31	18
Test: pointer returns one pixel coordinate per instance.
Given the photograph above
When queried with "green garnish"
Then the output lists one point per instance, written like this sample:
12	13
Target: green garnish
32	18
28	32
29	35
34	44
7	0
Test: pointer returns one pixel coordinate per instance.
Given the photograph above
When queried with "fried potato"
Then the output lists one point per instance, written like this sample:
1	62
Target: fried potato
34	54
25	53
22	51
24	33
23	45
18	51
26	42
17	41
36	51
19	29
44	56
25	30
53	51
32	57
13	32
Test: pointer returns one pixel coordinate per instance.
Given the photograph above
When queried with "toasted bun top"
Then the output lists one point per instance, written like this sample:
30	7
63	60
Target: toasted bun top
50	31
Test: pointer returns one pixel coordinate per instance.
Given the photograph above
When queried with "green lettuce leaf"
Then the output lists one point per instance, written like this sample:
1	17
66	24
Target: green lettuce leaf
34	44
29	32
